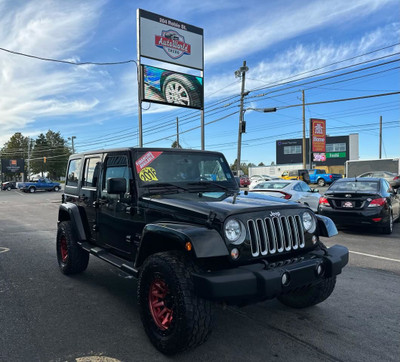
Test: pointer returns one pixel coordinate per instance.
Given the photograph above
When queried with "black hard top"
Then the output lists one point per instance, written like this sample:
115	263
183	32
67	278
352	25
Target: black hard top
141	149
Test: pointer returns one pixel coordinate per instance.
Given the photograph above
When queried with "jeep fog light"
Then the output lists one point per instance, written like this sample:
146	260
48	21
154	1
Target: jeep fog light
234	253
309	222
234	231
285	279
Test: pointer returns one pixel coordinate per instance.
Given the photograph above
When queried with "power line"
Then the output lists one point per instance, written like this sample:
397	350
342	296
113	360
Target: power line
341	100
67	61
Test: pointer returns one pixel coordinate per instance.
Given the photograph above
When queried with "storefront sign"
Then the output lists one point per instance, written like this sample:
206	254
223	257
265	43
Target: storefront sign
318	135
335	154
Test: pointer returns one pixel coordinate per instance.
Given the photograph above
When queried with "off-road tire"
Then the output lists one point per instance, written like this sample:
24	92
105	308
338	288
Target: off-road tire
177	89
388	227
72	259
191	320
321	182
310	296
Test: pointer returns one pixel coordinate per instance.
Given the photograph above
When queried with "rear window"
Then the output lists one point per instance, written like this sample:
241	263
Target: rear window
271	185
355	186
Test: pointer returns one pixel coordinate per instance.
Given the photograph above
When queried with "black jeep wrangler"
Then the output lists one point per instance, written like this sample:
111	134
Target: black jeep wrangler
176	220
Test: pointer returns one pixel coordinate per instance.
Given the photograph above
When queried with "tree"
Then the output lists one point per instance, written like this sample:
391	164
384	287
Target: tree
50	153
261	164
16	147
175	144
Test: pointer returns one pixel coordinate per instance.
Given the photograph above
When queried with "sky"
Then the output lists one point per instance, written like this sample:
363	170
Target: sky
331	50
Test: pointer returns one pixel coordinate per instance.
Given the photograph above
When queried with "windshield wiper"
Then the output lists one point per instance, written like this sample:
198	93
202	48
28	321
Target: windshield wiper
207	183
164	185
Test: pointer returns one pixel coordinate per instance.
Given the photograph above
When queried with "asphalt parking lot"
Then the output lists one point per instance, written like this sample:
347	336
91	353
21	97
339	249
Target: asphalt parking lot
46	316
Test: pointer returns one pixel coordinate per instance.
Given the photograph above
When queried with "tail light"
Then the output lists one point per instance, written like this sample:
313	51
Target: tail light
286	196
323	201
396	178
377	202
330	176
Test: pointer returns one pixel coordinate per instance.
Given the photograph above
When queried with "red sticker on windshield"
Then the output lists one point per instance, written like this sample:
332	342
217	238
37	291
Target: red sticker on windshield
146	160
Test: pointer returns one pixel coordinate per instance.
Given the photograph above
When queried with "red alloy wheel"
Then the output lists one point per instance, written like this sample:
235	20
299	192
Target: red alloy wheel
158	304
63	249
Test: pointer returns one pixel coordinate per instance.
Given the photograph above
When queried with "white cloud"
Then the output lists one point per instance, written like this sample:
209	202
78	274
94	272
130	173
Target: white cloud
30	88
303	58
288	22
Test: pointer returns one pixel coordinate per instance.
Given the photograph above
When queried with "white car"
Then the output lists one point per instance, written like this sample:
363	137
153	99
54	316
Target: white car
254	180
294	190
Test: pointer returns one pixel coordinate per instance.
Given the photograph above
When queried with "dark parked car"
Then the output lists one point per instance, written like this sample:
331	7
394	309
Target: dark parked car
392	178
370	201
8	185
176	220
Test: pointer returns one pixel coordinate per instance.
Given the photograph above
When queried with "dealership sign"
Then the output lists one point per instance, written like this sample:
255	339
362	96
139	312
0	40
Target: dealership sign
318	135
15	166
169	40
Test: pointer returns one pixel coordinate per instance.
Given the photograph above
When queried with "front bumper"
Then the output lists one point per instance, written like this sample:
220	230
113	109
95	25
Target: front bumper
264	281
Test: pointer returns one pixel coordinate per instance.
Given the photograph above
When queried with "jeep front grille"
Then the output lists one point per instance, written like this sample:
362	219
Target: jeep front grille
275	235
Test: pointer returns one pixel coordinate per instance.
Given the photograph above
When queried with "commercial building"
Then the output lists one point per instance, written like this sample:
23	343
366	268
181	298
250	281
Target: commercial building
289	155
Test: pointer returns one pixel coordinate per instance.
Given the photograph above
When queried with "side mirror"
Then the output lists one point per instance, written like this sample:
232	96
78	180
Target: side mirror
116	185
315	190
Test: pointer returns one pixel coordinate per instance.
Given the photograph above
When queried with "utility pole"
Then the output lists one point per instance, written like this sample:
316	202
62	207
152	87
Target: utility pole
241	72
380	137
177	133
72	143
304	131
29	159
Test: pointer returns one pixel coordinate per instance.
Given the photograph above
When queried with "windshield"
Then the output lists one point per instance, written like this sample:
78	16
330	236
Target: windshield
192	170
346	186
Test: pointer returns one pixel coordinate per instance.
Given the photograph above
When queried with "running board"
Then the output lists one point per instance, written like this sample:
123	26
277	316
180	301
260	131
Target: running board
109	258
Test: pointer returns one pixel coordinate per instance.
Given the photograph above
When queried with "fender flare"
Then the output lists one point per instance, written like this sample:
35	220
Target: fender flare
74	216
166	236
326	226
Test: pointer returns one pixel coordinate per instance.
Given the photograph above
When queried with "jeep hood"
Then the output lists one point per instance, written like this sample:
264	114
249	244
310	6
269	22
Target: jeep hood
222	207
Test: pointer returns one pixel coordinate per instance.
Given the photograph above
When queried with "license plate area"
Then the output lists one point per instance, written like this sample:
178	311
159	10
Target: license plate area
348	204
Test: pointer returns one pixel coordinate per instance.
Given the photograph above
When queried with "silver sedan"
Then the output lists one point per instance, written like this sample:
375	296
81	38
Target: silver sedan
290	190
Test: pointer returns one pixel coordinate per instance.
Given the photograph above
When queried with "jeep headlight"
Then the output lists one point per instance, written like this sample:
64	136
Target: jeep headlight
309	222
234	231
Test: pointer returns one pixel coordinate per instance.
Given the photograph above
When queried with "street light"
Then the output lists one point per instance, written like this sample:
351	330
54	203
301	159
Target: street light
72	143
242	129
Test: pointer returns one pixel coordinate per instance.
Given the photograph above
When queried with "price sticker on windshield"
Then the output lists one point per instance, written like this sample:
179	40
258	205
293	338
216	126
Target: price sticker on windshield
148	174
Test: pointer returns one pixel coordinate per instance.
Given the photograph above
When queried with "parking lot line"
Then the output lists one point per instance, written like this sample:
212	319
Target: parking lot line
375	256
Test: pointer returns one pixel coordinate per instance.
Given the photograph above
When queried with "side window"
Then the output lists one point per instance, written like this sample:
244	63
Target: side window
305	187
319	172
387	186
297	188
116	166
91	172
73	174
